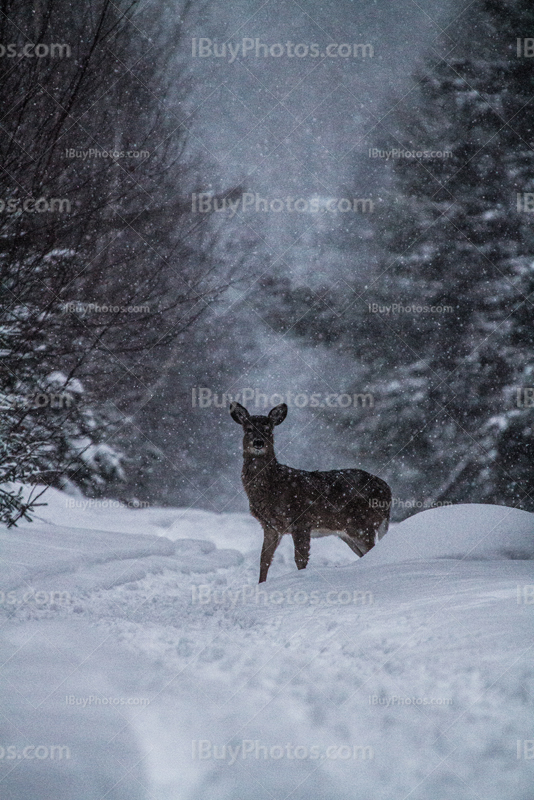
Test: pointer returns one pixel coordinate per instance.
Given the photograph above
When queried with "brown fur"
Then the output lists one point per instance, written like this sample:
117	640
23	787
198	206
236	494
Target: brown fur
350	502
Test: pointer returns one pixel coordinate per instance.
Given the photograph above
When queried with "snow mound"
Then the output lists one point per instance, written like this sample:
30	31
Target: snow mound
237	531
234	531
97	751
395	676
469	531
88	559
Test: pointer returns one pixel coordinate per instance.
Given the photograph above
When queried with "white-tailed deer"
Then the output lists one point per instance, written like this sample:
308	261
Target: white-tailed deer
349	503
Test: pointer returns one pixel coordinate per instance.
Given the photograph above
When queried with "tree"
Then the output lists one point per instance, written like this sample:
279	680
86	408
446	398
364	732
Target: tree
454	238
102	265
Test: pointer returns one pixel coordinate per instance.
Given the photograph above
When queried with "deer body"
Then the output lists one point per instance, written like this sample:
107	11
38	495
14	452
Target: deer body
350	503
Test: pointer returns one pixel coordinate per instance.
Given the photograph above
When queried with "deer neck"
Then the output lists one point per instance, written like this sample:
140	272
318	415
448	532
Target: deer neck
258	470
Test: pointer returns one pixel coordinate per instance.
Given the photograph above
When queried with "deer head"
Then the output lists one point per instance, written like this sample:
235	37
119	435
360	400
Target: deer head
258	439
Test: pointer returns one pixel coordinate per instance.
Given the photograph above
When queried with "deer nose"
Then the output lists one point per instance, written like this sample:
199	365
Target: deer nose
258	443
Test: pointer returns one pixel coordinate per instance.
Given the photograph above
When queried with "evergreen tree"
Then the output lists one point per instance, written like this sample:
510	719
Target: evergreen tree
458	241
455	237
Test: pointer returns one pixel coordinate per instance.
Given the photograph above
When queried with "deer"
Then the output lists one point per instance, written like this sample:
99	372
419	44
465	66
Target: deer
349	503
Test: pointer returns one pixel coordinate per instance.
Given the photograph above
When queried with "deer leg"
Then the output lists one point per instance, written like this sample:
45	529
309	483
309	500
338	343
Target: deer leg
382	529
360	539
301	540
271	540
352	543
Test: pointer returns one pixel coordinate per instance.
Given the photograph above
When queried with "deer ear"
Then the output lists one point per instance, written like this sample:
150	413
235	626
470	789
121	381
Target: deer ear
239	413
278	414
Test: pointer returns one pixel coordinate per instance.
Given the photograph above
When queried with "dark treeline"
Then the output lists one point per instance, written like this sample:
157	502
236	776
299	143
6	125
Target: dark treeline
117	300
452	419
104	270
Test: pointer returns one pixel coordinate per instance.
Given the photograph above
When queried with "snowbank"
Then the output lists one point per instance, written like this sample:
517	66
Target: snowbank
407	673
467	531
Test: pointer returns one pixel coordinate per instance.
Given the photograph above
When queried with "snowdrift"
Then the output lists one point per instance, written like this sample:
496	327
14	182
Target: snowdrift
407	673
467	531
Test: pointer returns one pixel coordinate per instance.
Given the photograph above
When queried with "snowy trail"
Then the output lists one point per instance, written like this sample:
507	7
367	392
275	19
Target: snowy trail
382	678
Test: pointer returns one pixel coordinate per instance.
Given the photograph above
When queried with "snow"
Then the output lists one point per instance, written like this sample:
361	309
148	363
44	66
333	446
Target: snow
139	639
464	531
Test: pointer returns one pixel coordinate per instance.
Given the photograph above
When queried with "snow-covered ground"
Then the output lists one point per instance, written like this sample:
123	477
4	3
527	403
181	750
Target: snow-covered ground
139	643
